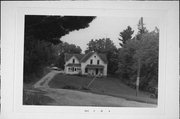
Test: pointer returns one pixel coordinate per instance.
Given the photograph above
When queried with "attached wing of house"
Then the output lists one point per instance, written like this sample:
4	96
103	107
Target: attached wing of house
91	63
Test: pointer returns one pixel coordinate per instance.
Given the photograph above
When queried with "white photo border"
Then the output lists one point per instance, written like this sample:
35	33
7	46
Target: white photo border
12	57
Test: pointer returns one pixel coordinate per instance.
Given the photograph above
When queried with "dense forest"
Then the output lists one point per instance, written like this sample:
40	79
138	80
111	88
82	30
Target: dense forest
42	40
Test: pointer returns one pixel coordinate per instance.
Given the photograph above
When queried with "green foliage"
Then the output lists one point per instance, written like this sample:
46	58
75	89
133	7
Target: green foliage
60	61
148	54
125	35
63	48
70	48
52	28
42	36
101	45
146	50
37	55
105	45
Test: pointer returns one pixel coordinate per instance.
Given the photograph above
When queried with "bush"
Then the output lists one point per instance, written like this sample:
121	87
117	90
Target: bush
84	88
69	87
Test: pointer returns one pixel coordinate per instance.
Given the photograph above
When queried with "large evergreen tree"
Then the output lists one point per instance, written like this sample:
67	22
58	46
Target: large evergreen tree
125	35
42	36
52	28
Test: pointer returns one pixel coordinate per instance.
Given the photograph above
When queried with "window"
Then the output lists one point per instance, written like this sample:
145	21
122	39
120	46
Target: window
91	61
73	61
74	69
97	61
95	56
86	70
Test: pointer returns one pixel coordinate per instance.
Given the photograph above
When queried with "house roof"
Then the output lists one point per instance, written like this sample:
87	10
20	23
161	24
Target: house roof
88	55
103	57
78	56
94	66
85	57
75	65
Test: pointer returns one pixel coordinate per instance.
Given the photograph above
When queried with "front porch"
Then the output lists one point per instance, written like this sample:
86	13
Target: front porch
73	69
95	70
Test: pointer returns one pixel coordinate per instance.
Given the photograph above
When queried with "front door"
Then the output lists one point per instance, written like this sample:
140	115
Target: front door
96	71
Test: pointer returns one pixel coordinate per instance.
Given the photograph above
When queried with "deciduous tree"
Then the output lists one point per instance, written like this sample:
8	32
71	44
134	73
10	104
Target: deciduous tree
63	48
146	49
106	46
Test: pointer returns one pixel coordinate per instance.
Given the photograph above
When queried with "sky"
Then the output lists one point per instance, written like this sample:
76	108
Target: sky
107	27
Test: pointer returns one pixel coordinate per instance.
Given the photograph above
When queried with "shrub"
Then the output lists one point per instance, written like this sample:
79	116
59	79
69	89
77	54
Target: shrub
84	88
69	87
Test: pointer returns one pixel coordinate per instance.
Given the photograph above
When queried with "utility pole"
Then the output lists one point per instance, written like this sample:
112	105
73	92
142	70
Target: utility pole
138	76
141	31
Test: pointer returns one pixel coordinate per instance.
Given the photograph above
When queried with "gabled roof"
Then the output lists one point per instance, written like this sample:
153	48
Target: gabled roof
88	55
103	57
68	56
85	57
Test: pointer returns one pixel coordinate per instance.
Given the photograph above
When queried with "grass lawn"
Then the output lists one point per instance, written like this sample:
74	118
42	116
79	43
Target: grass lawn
32	96
105	86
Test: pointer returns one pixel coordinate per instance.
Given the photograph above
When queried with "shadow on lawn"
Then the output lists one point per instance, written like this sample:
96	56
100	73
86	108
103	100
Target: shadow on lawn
105	86
36	97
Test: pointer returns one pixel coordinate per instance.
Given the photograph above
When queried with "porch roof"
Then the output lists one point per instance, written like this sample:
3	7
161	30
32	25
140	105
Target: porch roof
95	66
74	65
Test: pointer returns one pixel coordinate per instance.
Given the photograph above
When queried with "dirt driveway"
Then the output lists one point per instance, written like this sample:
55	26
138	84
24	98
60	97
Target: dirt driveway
77	98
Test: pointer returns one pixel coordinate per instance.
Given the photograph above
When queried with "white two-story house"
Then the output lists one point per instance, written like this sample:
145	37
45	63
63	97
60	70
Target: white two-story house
92	63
